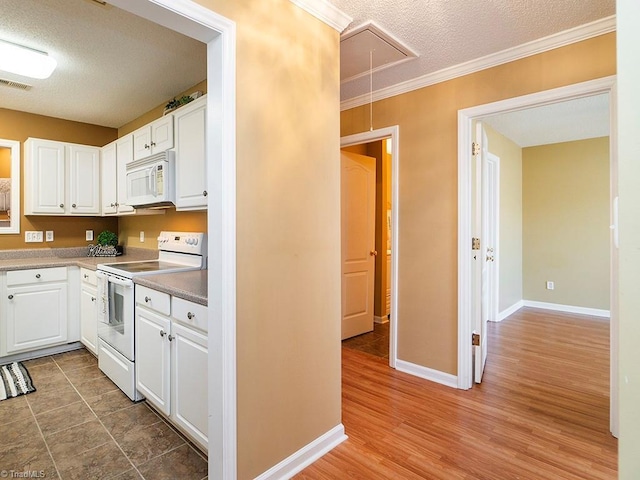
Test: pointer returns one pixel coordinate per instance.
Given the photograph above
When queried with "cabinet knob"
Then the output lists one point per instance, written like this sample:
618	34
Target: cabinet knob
38	275
147	299
205	193
86	276
10	297
62	205
153	144
146	146
163	333
93	299
74	205
171	337
112	204
190	315
116	204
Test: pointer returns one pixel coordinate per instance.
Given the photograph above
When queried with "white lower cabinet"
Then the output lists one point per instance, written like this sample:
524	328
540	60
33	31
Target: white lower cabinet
36	309
171	363
153	369
89	310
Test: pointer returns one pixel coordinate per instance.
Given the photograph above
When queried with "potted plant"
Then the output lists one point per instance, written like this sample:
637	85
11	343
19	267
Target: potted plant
107	245
175	103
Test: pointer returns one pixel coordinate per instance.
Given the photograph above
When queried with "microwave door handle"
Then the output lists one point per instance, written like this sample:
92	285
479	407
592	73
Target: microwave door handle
154	174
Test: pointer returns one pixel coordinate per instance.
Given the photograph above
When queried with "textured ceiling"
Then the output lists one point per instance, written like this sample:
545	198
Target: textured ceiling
577	119
112	66
445	33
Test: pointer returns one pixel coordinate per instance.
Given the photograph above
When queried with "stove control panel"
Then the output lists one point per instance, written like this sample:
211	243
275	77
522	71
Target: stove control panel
183	242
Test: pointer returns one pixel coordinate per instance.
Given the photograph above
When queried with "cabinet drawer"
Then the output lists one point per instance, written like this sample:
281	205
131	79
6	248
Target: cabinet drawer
190	314
36	275
153	300
88	276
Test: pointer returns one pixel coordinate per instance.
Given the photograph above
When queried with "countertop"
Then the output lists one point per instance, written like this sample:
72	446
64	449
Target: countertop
190	286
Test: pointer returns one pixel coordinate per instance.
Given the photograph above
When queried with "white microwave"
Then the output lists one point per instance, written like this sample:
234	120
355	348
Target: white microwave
151	181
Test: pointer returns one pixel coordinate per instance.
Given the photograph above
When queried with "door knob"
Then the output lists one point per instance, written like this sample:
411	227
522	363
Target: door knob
190	315
171	337
38	275
162	333
62	205
373	253
10	297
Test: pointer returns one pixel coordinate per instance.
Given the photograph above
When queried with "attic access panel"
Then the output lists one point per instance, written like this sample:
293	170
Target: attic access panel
356	44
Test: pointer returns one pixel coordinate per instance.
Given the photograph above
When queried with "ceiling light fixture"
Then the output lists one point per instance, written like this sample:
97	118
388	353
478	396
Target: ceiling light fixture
25	61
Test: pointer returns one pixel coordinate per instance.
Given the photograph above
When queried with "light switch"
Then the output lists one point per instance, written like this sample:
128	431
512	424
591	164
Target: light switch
88	235
49	235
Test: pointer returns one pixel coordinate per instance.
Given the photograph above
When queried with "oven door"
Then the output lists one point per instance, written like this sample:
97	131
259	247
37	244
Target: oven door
116	312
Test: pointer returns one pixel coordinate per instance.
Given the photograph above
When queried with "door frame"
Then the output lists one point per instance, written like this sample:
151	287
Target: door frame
465	256
219	33
494	282
367	137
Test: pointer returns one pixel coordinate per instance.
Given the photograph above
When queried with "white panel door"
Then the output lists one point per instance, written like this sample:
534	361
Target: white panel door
162	134
108	180
142	142
481	256
189	399
89	318
36	316
84	180
191	155
45	178
153	360
358	208
124	155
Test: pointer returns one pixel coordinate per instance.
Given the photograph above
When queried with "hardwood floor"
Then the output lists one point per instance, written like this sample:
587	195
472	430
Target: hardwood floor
542	411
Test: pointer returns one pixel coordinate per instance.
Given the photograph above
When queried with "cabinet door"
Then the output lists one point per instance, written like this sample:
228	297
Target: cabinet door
89	318
124	149
84	180
189	402
109	179
142	142
44	177
162	134
36	316
190	140
153	358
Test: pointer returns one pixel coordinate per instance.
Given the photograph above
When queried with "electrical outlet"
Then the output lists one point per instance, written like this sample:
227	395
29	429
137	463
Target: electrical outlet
38	237
88	235
49	235
141	237
550	286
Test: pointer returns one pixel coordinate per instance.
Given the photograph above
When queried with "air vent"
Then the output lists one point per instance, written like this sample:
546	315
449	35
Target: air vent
12	84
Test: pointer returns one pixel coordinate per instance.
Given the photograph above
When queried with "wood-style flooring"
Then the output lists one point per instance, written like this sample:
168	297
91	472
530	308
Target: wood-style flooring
542	411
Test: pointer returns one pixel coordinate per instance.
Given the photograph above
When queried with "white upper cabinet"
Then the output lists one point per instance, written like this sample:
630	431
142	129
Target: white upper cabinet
115	157
191	155
153	138
61	178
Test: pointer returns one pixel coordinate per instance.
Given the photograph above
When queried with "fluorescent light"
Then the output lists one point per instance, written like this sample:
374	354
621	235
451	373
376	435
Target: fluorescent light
25	61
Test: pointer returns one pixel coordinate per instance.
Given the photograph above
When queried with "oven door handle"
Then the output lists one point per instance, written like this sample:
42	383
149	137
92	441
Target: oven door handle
116	280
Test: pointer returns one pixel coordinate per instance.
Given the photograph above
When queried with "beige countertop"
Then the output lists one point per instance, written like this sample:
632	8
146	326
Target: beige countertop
191	286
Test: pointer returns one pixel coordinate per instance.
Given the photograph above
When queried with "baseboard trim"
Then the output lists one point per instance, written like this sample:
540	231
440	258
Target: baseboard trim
427	373
384	319
510	310
595	312
304	457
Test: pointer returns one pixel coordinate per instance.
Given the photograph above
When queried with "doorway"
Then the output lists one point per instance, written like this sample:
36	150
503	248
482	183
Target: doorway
391	133
219	34
467	309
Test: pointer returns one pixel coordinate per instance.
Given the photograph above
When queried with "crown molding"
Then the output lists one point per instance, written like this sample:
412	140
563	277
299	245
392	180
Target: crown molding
557	40
325	11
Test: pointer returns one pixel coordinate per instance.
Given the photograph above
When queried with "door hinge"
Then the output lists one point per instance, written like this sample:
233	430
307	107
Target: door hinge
475	340
475	148
475	243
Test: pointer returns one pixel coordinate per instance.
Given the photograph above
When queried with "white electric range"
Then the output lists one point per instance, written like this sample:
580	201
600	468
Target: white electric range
177	252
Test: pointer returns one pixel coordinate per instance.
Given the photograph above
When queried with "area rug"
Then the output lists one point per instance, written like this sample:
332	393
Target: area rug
14	380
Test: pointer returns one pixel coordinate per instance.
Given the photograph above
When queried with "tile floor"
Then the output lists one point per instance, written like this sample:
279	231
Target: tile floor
78	425
375	342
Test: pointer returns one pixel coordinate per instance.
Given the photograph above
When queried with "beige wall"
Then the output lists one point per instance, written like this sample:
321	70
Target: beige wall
566	223
427	296
68	232
288	229
628	18
510	282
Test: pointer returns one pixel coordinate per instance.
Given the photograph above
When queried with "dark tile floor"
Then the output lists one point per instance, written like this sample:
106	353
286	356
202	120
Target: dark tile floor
78	425
375	342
